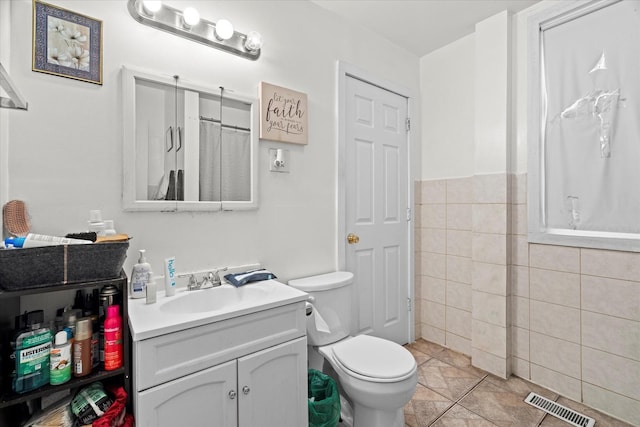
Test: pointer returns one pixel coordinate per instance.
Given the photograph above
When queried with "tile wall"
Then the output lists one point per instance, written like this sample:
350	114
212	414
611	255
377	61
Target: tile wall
568	317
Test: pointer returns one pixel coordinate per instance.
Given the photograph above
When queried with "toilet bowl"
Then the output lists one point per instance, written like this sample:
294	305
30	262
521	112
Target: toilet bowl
378	376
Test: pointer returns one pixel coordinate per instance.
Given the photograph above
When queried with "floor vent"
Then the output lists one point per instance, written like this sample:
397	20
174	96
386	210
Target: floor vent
565	414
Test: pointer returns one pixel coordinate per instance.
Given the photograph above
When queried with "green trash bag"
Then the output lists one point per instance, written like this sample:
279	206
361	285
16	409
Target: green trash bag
323	399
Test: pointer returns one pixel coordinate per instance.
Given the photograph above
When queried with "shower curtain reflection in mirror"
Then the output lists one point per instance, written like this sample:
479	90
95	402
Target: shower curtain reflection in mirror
225	161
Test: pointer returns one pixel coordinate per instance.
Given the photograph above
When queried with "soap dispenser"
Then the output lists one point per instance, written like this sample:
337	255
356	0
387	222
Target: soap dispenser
140	277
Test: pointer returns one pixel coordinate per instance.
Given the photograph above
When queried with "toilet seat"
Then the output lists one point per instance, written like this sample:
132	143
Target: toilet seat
373	359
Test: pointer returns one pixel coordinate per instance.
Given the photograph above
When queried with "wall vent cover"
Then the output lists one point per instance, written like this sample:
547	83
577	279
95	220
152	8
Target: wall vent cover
565	414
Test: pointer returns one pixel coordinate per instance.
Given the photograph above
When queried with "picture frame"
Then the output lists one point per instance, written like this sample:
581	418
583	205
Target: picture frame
66	43
283	114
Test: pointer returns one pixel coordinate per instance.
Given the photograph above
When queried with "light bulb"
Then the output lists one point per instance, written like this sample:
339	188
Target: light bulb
191	17
224	29
253	42
151	6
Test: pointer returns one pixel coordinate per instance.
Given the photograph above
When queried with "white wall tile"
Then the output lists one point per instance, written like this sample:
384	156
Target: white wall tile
459	269
519	219
521	368
489	338
555	354
434	289
562	384
613	264
433	265
520	311
459	216
611	334
434	191
459	322
459	243
612	403
520	281
490	248
489	218
434	240
558	258
520	343
555	320
612	372
458	343
489	362
490	278
459	295
489	308
555	287
433	314
460	190
433	216
519	250
490	188
433	334
611	296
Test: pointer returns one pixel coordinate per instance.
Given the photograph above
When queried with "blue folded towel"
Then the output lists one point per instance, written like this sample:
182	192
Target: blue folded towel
240	279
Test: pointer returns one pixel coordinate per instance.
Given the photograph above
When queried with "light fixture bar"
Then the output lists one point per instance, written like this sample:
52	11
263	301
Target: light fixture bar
171	20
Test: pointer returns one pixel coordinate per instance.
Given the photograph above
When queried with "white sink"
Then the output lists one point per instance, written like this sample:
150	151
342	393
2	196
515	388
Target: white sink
214	299
188	309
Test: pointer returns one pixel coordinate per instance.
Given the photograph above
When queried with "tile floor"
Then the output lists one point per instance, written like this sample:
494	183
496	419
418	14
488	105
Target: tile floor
451	392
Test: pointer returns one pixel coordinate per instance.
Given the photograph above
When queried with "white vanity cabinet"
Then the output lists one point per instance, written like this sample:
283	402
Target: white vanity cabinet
246	371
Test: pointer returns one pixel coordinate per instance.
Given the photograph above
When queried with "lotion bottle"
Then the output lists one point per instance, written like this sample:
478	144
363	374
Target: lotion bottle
60	360
113	339
140	276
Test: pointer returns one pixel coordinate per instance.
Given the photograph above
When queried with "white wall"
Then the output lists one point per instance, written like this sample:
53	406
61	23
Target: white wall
447	82
66	154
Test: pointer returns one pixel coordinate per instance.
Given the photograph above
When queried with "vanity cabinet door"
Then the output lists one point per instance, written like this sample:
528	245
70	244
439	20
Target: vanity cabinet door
206	398
272	386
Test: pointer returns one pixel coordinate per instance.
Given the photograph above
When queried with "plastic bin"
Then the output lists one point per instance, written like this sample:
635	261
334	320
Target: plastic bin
323	400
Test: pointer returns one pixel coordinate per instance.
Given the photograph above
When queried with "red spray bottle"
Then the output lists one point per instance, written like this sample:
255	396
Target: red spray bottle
113	352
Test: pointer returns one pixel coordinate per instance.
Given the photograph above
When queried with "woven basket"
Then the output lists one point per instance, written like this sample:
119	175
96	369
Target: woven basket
55	265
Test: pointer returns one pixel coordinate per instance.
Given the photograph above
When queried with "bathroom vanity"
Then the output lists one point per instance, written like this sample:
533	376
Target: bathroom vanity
237	358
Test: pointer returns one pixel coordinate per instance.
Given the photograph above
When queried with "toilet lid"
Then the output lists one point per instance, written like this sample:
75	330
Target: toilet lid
374	357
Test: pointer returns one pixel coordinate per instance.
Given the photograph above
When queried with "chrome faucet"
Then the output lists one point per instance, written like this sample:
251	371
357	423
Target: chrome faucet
211	280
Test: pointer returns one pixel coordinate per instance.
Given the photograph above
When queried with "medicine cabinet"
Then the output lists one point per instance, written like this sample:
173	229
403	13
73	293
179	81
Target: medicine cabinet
186	147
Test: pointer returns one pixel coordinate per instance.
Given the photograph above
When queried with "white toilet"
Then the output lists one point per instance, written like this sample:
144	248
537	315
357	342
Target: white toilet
378	376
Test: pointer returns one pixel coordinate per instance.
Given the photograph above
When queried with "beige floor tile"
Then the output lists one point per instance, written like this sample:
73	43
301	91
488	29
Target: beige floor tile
458	416
521	387
425	406
501	406
417	354
459	360
426	347
449	381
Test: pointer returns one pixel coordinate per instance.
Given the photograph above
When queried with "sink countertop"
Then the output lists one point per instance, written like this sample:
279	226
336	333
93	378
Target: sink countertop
152	320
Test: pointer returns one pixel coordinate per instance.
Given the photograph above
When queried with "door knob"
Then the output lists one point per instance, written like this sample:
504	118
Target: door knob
232	394
352	238
246	389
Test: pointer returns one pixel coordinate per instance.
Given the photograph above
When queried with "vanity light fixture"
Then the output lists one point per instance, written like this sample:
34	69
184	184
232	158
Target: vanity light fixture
188	24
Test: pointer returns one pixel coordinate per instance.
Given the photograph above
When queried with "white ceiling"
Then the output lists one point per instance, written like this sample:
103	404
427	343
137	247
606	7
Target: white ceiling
421	26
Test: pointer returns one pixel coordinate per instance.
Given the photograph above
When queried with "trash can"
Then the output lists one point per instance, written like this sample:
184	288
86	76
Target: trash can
323	400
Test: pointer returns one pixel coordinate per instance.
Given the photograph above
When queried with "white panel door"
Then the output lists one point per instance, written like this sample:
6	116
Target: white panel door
206	398
272	386
376	209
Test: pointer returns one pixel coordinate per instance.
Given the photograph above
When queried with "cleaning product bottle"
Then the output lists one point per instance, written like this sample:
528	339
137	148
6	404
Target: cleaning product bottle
33	351
140	277
60	371
82	348
113	354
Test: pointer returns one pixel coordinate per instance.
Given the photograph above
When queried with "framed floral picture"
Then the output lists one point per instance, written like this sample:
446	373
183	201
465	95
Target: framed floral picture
66	43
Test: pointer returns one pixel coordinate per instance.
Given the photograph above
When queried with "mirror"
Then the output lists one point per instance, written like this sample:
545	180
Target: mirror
186	147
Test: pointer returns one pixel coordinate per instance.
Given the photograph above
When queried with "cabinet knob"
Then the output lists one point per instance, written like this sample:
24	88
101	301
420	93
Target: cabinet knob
232	394
246	389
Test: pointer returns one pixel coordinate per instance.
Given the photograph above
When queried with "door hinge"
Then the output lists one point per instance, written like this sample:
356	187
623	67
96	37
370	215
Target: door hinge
408	214
408	304
407	124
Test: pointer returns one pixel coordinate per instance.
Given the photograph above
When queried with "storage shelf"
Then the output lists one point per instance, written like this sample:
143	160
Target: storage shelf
59	288
10	399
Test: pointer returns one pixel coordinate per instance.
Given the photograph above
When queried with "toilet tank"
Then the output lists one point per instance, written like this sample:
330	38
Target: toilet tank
330	319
